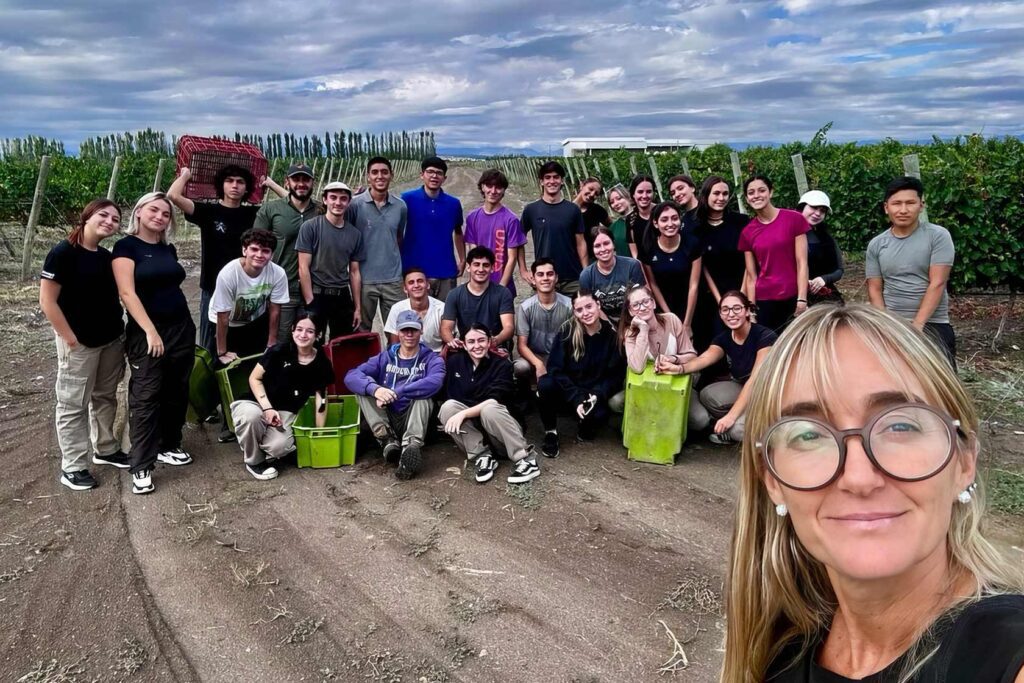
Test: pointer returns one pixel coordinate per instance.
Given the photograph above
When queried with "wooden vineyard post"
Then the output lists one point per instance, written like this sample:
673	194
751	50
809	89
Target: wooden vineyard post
615	171
801	175
912	168
33	217
657	178
159	175
632	165
112	187
734	158
686	167
266	191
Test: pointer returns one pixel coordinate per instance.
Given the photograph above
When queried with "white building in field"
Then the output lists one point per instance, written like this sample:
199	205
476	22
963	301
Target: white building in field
574	147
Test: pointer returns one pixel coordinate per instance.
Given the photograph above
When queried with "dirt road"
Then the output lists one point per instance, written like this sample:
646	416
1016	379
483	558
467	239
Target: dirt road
350	575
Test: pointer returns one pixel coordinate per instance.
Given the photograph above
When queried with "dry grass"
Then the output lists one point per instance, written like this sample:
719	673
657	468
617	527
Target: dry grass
130	657
303	630
252	576
54	672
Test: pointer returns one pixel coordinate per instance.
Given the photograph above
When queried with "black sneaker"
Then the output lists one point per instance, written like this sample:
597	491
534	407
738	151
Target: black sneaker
524	470
78	481
226	436
722	439
174	456
550	445
262	471
117	459
410	462
485	466
392	451
142	481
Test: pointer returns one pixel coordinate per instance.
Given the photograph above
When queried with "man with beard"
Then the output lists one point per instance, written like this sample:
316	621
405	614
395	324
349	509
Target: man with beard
221	225
284	218
381	217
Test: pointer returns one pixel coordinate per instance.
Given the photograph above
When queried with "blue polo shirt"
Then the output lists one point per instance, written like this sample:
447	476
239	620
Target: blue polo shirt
429	231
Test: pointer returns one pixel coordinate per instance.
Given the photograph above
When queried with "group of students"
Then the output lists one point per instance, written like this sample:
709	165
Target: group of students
686	284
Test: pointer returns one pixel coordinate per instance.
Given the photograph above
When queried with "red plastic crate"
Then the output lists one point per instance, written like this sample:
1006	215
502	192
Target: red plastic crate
205	156
348	352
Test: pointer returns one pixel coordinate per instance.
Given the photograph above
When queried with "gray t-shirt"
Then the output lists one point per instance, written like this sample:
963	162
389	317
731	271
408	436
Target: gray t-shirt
332	249
610	290
542	326
382	228
903	262
465	308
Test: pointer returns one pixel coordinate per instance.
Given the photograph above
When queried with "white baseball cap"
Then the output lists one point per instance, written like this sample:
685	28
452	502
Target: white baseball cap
815	198
338	186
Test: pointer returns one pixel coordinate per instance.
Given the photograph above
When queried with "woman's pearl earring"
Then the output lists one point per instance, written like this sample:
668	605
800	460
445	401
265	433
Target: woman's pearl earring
781	510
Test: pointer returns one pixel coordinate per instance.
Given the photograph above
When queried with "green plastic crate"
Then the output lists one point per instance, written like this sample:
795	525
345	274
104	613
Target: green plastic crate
332	445
233	383
655	416
202	387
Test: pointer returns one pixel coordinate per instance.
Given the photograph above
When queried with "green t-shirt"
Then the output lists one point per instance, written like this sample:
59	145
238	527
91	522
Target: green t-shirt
284	220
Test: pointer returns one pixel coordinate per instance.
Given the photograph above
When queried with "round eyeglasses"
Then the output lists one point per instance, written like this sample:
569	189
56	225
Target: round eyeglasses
907	442
641	304
735	310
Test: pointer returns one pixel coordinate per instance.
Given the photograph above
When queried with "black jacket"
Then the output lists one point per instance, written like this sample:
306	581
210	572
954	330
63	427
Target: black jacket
601	370
491	379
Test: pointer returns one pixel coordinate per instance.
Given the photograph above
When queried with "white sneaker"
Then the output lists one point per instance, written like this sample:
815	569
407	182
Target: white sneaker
142	482
485	466
262	471
175	456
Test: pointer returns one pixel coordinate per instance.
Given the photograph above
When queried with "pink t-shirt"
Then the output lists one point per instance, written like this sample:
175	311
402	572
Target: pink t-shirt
497	231
773	247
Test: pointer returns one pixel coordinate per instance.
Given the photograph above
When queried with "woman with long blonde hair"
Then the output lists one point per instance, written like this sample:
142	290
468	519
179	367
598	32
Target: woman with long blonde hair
857	552
159	339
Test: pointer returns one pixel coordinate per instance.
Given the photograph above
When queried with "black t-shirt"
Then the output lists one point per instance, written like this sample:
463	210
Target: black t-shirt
554	228
465	308
289	384
158	278
88	294
671	271
722	259
983	643
220	228
742	358
594	216
643	235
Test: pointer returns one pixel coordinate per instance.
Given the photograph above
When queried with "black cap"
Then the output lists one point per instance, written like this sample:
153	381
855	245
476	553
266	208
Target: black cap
299	169
434	162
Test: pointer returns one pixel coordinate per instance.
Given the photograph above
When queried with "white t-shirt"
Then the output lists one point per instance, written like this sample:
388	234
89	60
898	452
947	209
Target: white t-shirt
431	321
245	298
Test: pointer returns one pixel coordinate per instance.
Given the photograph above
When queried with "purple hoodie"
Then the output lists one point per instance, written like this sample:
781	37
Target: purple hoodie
422	380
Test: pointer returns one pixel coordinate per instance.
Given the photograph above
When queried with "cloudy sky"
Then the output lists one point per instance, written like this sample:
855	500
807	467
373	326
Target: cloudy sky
493	73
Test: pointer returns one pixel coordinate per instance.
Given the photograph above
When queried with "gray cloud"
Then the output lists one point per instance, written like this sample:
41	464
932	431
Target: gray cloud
516	73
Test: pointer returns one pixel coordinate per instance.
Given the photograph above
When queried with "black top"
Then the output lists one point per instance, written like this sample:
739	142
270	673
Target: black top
671	271
158	278
88	294
289	384
824	260
643	234
465	308
554	228
600	370
220	230
594	216
492	378
742	358
983	643
722	259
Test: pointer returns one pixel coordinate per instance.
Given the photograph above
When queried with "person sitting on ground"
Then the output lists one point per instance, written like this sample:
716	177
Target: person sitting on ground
247	302
330	250
539	321
744	345
824	257
280	383
395	390
78	295
584	372
478	301
859	551
479	390
429	309
610	276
